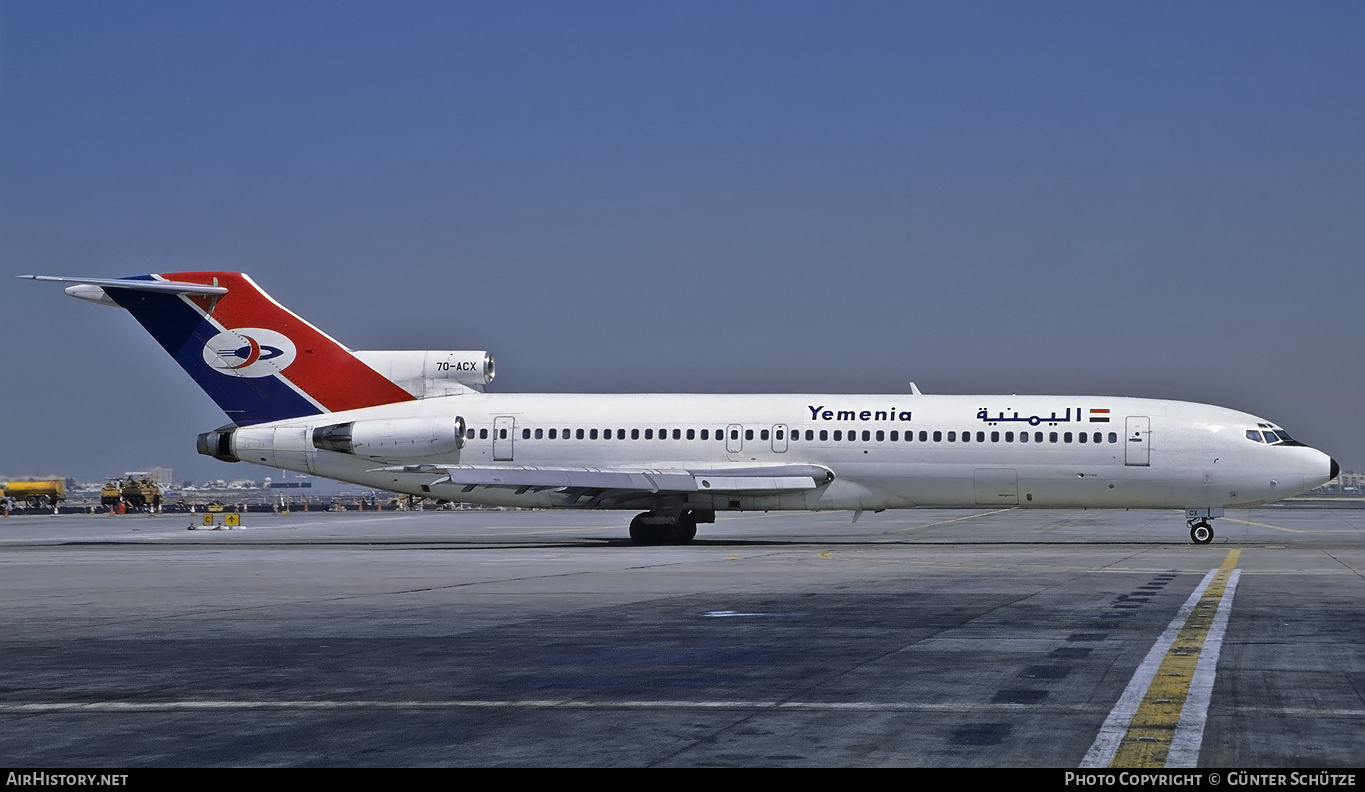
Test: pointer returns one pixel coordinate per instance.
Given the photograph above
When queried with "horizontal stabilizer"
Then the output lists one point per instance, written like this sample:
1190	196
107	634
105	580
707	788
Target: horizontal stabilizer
164	287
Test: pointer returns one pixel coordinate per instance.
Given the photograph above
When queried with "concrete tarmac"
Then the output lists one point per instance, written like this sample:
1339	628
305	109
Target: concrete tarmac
921	638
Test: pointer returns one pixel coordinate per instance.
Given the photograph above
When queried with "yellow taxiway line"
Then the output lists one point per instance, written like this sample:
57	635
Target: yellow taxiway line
1159	719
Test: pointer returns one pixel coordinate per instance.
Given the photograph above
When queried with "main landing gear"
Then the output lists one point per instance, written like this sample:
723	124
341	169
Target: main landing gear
658	528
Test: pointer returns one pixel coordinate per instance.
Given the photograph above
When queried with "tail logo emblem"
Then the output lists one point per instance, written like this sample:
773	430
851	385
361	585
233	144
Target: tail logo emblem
249	352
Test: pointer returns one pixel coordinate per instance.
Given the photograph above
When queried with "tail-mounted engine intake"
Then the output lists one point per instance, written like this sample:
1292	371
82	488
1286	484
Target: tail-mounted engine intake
425	374
394	438
217	444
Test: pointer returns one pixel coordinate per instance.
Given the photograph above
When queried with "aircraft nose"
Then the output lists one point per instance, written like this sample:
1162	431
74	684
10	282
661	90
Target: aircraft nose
1335	469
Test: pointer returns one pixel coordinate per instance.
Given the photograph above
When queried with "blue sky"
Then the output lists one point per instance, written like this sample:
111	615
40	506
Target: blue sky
1149	199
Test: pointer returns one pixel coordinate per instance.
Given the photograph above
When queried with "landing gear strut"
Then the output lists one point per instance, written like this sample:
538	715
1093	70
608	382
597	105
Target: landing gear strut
656	528
1201	532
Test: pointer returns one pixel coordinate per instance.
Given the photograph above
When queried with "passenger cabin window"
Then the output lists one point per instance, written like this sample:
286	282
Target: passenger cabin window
483	434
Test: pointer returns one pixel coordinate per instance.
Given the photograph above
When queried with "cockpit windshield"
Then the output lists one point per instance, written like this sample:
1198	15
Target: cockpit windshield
1271	435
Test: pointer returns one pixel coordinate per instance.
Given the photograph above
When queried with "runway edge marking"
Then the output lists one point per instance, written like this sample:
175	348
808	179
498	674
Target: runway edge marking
1159	719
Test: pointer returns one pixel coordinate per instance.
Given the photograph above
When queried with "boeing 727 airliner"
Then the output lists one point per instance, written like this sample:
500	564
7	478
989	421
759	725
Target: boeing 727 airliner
420	422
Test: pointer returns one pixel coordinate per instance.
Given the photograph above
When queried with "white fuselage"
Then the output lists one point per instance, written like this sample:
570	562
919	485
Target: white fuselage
885	451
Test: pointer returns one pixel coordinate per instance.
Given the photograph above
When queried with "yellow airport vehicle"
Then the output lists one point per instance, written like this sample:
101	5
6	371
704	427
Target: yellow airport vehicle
37	494
134	493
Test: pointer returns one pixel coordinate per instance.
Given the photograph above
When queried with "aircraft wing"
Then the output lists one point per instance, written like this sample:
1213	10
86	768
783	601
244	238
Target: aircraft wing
621	484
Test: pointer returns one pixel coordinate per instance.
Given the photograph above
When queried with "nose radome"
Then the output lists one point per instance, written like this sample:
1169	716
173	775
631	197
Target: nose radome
1335	469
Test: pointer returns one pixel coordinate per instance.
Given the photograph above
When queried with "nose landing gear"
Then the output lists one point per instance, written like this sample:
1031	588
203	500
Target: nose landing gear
1201	532
1198	520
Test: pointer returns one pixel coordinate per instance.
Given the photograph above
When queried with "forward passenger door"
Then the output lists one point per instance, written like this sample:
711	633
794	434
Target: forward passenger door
1137	447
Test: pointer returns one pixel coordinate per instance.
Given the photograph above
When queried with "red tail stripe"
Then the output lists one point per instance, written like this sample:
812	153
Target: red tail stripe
323	369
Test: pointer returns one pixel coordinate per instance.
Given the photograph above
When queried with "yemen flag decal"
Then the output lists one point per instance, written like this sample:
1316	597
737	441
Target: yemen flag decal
1099	415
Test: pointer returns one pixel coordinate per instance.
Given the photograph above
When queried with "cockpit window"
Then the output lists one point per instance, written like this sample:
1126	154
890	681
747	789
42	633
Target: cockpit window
1273	436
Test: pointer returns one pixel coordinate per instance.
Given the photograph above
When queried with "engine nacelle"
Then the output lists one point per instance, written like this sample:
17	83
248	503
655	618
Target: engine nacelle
393	438
430	373
218	444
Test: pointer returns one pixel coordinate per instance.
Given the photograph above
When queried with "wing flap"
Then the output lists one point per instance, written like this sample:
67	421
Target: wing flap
780	478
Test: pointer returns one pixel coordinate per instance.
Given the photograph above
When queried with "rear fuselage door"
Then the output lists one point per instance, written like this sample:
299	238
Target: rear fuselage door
504	427
1137	447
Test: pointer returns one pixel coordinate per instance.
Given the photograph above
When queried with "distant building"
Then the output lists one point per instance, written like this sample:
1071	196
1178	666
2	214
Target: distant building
1348	482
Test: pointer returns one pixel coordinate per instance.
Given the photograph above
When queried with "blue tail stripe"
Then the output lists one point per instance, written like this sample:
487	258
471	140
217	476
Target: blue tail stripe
183	332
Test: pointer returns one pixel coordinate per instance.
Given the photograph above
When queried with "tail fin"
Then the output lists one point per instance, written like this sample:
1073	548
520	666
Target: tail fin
254	357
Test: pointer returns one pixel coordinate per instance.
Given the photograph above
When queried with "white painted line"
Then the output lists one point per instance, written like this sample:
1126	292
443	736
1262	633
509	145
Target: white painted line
1115	726
1189	733
77	707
